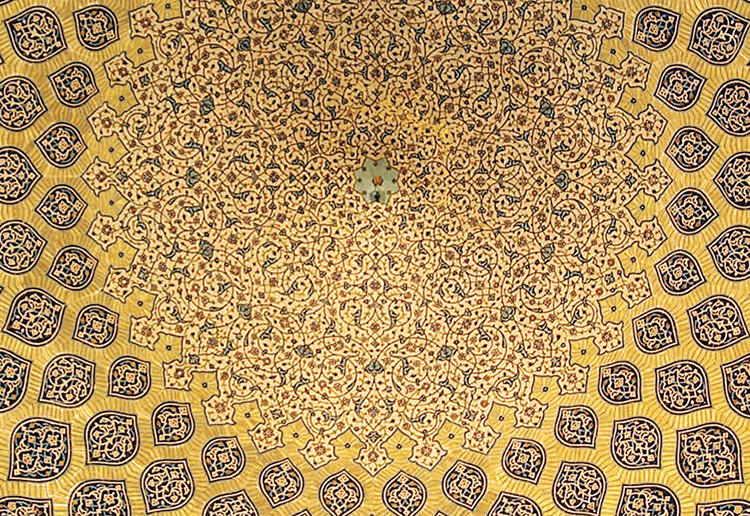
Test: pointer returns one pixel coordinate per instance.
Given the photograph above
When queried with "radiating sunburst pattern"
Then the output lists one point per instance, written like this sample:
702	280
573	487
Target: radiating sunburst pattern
297	257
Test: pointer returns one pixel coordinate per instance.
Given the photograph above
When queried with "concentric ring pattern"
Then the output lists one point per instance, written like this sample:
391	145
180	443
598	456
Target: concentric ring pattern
413	257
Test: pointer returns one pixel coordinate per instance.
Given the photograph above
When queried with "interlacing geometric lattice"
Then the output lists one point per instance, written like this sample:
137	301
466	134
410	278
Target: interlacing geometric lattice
309	257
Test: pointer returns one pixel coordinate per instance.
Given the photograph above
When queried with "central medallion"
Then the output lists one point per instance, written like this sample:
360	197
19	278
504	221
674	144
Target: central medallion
376	180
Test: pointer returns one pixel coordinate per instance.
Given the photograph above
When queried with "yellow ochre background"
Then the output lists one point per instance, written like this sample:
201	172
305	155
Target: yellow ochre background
295	435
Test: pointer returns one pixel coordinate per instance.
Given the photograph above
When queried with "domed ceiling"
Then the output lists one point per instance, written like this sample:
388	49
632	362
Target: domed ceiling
411	257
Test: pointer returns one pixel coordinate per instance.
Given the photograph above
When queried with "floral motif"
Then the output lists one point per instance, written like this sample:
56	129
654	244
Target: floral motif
524	459
717	323
655	331
576	426
23	506
682	387
61	207
96	326
341	494
39	450
230	504
167	485
21	246
730	108
17	174
172	423
736	379
509	504
96	27
21	104
656	28
465	484
709	455
99	498
690	211
647	499
679	87
68	381
62	144
730	252
34	317
733	180
112	438
723	508
636	443
579	488
404	494
74	84
281	482
619	383
14	377
36	34
223	458
691	149
679	273
129	378
718	35
73	267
